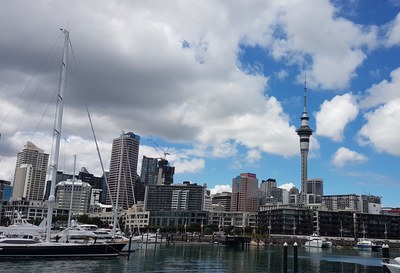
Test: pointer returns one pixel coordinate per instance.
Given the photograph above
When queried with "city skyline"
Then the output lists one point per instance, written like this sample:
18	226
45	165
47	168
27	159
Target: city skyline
218	86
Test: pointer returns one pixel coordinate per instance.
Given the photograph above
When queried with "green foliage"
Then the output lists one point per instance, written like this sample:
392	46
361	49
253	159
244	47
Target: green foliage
6	221
84	218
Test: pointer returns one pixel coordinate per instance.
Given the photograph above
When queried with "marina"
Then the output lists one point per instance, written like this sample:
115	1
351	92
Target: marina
183	257
196	167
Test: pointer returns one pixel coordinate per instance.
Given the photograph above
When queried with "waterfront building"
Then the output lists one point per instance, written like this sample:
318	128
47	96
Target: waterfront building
34	210
30	173
185	196
123	169
178	219
289	221
225	219
223	200
371	204
135	218
390	210
359	225
345	224
77	192
245	193
304	132
353	202
180	199
349	202
132	219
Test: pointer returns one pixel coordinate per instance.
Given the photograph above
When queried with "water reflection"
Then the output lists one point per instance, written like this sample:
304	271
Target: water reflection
209	258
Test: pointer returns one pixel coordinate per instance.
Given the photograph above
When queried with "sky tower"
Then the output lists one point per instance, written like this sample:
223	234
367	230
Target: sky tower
304	133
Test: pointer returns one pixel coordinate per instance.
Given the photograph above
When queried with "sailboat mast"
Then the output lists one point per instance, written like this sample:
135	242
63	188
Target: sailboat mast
57	134
71	201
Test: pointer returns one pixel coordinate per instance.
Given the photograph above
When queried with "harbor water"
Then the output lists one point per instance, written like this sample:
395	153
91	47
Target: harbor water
208	258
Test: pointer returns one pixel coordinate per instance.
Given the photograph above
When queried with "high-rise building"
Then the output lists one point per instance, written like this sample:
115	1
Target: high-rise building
245	193
222	200
180	199
304	132
123	170
156	171
185	196
78	191
165	173
315	190
267	186
149	172
5	190
30	173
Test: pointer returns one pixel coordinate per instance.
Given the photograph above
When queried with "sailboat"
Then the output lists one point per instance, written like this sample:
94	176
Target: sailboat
20	247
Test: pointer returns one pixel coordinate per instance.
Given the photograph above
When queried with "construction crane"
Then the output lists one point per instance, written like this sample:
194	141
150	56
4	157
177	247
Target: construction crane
155	145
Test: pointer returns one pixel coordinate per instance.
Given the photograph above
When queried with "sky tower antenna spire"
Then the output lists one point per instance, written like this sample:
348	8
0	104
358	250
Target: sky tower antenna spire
305	92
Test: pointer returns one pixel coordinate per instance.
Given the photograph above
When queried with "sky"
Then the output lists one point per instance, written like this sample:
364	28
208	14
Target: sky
216	84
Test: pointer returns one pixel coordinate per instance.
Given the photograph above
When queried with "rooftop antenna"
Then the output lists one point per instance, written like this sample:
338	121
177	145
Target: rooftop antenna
305	91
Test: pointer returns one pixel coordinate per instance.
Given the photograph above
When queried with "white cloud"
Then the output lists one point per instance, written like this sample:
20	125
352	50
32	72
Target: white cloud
312	29
281	74
221	188
335	114
382	129
252	156
382	126
225	149
344	156
287	186
393	32
383	92
193	165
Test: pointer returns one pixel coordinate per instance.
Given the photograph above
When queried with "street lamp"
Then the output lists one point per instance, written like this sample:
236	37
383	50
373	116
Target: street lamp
269	228
341	230
294	227
385	233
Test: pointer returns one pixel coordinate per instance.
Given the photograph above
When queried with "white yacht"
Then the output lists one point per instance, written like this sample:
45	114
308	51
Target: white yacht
21	227
317	241
393	265
147	238
365	244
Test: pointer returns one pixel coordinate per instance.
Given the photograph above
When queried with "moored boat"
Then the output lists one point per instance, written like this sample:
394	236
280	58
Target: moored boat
317	241
17	247
147	238
21	227
393	265
365	245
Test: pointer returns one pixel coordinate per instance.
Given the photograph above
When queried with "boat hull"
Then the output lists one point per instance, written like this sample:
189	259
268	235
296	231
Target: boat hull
394	268
61	250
